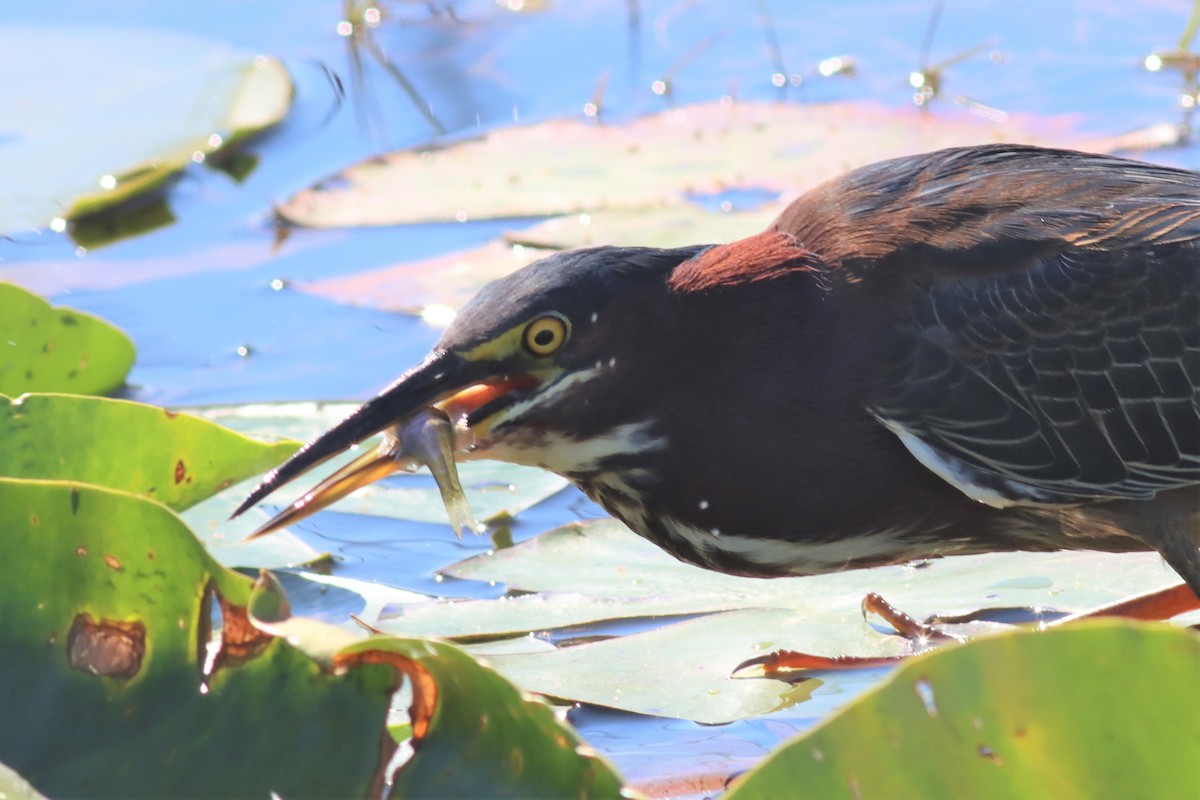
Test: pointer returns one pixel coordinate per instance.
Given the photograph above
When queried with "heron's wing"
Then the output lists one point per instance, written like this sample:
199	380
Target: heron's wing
1047	347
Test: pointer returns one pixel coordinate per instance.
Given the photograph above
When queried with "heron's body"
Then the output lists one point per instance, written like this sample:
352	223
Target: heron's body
979	349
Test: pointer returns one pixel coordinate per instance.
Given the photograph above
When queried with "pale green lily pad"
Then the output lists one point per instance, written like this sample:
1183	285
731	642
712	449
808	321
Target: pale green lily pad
600	571
451	280
225	538
572	166
14	787
82	131
493	488
1099	709
49	349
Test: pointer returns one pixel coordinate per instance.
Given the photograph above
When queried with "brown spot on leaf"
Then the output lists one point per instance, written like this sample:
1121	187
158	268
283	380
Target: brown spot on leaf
112	563
990	755
424	687
180	471
108	648
240	640
81	551
170	414
150	554
33	520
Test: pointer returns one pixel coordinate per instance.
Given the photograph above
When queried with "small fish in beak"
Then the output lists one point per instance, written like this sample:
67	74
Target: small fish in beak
427	438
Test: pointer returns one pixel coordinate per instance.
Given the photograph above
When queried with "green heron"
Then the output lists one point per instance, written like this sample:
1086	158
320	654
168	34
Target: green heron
979	349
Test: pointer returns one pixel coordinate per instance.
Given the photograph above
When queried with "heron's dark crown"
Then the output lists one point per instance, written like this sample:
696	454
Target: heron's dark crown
574	283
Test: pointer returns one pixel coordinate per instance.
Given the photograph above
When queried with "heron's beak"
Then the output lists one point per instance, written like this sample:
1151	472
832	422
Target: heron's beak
455	385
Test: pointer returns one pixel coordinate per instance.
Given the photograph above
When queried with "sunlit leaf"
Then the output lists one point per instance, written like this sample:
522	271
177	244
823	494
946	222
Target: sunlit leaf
475	735
1103	709
46	349
107	687
177	459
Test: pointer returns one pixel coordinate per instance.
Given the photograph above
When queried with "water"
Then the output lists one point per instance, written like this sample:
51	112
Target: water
209	299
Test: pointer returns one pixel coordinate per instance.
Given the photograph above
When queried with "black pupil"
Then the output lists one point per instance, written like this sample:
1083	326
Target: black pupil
544	337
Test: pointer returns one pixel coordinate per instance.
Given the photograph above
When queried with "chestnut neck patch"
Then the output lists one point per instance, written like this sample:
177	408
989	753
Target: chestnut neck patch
764	256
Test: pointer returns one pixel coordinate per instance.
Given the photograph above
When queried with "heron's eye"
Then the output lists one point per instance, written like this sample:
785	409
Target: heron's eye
545	335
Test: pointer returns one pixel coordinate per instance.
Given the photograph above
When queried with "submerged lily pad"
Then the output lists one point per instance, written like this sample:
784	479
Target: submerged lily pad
48	349
1099	709
82	131
571	166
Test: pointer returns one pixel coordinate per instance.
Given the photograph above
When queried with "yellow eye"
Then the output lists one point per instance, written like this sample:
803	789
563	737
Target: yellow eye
545	335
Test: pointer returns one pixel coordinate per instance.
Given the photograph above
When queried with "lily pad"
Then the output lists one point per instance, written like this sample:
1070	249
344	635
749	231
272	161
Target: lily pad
591	573
451	280
177	459
107	689
1104	709
47	349
83	131
571	166
476	735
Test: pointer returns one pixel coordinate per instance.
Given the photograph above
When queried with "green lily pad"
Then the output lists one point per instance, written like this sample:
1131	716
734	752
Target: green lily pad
493	488
1103	709
177	459
46	349
571	166
107	687
476	735
83	131
473	733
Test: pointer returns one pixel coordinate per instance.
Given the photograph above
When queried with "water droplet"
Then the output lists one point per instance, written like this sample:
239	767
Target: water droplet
715	531
925	692
58	225
659	87
818	755
590	110
198	157
80	251
1152	63
703	505
215	140
108	181
595	316
245	350
345	28
278	284
585	219
372	16
990	754
461	216
778	79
